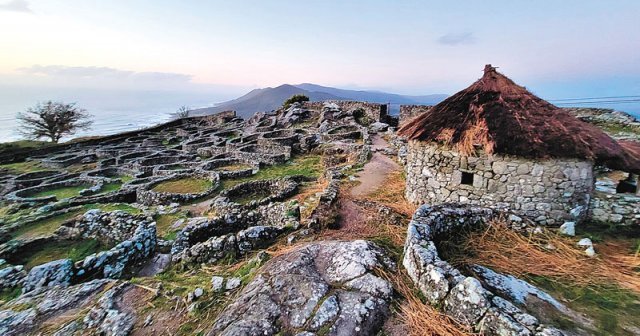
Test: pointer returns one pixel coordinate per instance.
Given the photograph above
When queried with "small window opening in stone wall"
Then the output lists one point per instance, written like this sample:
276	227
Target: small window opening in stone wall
467	178
628	185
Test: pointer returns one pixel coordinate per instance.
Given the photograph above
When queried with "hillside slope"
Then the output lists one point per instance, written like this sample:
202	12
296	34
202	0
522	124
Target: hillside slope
263	100
375	96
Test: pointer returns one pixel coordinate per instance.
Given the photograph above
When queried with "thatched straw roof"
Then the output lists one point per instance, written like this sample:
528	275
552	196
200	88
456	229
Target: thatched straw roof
633	155
499	116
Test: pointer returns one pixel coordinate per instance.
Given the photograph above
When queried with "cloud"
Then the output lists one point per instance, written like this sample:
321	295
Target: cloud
16	6
456	39
106	74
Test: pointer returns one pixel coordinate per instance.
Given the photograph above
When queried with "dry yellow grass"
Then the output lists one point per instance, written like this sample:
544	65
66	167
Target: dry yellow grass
421	319
550	255
391	194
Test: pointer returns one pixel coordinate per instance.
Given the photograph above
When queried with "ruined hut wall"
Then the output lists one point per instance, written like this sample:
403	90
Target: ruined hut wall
408	112
375	111
619	208
546	191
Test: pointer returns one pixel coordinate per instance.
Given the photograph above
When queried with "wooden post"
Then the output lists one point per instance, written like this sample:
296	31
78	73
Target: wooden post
638	185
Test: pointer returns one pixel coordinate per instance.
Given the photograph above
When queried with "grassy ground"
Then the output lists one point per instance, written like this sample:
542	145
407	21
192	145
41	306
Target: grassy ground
234	167
81	167
22	167
8	294
44	227
47	226
187	185
180	282
110	187
62	192
307	165
256	195
113	207
164	225
74	250
611	307
605	288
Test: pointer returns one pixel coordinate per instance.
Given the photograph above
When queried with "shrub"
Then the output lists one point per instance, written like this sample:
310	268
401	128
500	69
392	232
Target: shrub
297	98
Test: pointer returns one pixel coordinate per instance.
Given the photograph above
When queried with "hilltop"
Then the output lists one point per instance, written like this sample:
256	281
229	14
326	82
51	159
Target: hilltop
269	99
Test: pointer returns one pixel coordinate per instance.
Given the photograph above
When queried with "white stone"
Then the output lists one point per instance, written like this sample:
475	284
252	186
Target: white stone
233	283
590	251
585	242
568	228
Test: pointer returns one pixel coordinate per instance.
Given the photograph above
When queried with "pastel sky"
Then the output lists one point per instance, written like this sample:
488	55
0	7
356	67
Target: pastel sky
560	49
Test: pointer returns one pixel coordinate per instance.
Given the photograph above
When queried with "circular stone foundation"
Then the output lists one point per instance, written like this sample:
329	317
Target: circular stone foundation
254	193
178	188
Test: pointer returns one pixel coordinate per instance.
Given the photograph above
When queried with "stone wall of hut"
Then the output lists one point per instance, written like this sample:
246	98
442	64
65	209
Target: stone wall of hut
615	208
549	192
408	112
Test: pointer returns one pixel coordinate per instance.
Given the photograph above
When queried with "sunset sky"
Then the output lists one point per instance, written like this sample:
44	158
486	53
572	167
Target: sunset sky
560	49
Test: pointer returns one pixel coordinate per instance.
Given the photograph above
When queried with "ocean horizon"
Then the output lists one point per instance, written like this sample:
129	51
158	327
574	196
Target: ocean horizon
117	111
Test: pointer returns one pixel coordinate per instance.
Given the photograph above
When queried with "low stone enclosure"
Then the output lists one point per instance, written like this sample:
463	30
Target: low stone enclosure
133	239
489	305
149	195
239	231
149	170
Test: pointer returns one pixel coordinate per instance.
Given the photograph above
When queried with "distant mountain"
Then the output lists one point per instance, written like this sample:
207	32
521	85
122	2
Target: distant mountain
263	100
268	99
375	96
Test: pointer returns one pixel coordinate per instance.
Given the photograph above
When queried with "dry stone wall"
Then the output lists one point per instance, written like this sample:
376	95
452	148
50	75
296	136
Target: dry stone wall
616	208
407	112
375	111
462	297
547	191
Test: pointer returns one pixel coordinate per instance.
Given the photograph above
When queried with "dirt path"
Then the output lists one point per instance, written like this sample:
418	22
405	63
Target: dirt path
352	216
376	170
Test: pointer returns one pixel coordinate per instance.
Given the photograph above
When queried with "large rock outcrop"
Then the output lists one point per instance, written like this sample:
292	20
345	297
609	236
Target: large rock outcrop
328	286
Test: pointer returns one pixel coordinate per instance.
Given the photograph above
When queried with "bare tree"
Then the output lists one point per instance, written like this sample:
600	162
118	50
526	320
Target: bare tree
53	120
182	112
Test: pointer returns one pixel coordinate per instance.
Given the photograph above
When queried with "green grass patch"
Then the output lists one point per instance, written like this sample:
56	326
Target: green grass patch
113	207
67	249
125	178
24	144
110	187
23	167
164	225
44	227
8	294
309	165
610	306
62	192
598	231
246	198
234	167
189	185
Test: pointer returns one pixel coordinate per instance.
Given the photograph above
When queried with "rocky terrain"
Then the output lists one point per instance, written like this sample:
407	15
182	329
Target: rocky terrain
288	223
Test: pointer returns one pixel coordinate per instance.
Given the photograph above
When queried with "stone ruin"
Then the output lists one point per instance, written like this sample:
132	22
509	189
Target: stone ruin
77	184
318	287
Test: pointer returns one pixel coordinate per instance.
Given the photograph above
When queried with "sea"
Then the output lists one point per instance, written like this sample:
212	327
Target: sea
115	111
112	111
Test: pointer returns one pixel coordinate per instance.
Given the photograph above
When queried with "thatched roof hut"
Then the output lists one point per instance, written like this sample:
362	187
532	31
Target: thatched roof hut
498	116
